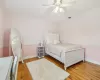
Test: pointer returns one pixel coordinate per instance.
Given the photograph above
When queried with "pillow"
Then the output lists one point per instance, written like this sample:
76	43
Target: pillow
56	42
52	38
49	40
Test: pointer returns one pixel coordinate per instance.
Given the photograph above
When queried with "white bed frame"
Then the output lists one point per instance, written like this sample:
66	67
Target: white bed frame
70	57
74	56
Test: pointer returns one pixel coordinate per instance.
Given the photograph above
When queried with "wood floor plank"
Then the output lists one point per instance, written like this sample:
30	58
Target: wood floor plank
80	71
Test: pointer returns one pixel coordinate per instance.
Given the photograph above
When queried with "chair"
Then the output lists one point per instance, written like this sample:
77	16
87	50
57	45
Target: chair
14	69
15	42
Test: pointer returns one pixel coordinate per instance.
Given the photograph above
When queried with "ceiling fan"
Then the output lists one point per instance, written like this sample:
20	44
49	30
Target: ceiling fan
59	6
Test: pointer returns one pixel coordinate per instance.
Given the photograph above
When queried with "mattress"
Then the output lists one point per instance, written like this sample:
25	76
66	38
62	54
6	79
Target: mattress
57	49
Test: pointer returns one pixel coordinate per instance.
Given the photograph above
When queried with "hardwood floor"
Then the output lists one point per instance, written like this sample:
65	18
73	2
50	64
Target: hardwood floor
80	71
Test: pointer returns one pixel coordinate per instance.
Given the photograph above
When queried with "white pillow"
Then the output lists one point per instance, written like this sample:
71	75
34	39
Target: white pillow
56	42
52	38
49	39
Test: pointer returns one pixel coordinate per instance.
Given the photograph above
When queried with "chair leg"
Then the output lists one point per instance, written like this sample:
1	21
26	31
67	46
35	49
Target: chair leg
22	60
83	60
65	68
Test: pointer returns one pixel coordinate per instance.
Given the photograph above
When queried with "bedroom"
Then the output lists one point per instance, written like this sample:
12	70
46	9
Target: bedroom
78	24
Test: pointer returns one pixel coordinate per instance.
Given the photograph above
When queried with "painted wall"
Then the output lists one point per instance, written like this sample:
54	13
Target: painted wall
1	23
4	36
29	21
1	32
4	30
31	28
84	29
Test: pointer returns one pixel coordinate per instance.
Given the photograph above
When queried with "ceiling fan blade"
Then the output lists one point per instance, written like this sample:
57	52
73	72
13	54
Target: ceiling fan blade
65	5
55	1
70	1
53	4
48	5
58	1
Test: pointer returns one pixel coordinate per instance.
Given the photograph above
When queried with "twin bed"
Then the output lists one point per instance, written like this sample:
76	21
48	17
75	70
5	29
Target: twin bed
67	53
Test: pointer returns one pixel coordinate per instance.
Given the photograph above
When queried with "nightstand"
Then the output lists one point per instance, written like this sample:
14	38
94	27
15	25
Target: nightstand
40	51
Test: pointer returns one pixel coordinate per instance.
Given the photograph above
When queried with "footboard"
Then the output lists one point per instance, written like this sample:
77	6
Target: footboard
74	56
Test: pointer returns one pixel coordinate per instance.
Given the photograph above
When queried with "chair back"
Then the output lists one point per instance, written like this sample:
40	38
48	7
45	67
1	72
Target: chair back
15	42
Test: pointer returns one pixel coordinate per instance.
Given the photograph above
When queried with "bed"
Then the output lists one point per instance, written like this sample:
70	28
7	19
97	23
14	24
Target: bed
67	53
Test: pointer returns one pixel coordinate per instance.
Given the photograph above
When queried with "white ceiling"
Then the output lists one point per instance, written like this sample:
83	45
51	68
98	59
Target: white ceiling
35	6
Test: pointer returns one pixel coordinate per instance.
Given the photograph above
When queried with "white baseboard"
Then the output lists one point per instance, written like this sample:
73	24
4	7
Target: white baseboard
27	57
92	61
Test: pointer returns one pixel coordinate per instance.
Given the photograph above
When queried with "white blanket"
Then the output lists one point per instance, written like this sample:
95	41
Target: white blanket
59	48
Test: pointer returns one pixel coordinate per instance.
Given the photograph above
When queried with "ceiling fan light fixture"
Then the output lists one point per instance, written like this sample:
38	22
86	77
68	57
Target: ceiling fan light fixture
56	9
59	6
61	10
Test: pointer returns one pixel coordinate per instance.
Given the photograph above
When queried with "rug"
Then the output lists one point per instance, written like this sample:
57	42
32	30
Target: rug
45	70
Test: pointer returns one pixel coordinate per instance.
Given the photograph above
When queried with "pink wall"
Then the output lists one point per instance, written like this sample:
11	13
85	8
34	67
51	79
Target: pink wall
84	29
32	30
1	32
4	36
29	50
1	24
30	23
4	49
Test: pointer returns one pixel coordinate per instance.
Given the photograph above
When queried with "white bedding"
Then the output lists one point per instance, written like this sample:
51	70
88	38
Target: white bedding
57	49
